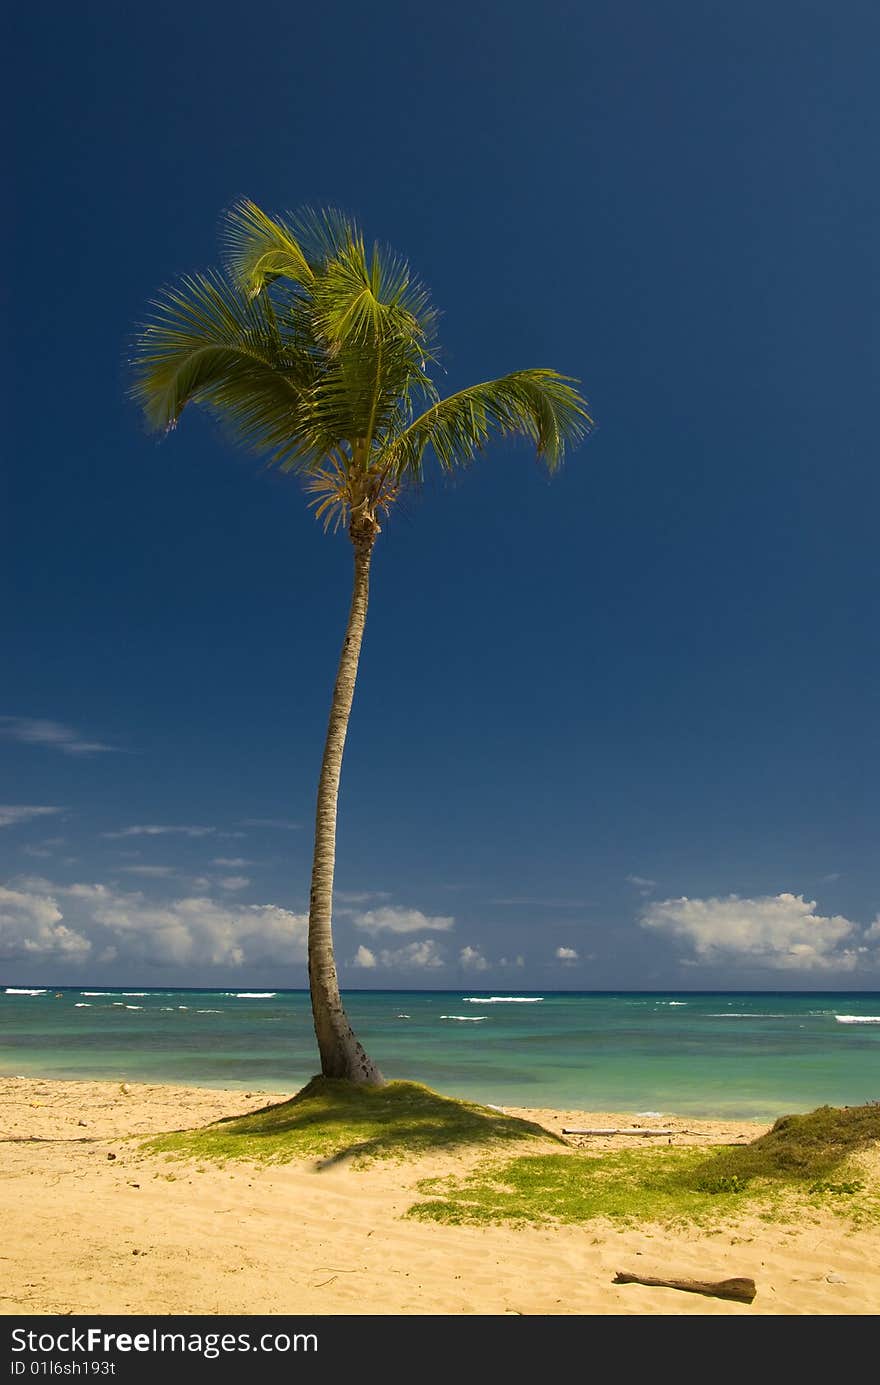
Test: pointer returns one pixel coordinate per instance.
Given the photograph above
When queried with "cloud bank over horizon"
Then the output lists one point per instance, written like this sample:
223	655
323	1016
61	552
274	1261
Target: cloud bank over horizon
774	932
161	923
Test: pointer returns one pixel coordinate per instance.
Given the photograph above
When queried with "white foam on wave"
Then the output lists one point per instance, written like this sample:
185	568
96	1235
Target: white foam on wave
167	1008
183	1007
81	1005
252	995
747	1015
502	999
404	1017
97	992
209	1012
857	1019
118	1005
135	993
134	1007
24	990
467	1019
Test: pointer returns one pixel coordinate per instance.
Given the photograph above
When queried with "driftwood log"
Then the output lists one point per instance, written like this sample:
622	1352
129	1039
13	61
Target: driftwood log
633	1130
741	1290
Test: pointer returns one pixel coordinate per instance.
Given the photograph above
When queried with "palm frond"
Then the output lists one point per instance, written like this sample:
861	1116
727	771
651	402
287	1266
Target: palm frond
376	324
540	405
364	298
209	343
260	249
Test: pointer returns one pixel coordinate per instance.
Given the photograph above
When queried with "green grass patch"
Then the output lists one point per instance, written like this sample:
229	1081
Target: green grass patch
333	1119
800	1149
785	1169
649	1185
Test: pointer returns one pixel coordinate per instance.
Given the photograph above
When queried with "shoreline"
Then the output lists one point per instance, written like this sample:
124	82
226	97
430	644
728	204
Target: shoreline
552	1116
118	1099
94	1224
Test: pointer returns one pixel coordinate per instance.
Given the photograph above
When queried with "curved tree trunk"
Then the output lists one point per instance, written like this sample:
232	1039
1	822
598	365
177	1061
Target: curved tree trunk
341	1053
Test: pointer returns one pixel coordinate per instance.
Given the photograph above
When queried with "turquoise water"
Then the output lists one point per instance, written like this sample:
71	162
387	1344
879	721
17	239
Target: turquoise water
750	1056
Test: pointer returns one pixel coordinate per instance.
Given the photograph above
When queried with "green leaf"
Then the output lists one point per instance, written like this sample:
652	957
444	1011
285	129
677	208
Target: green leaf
260	249
539	405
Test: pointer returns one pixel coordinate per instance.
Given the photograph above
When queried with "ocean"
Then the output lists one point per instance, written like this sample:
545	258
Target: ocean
752	1055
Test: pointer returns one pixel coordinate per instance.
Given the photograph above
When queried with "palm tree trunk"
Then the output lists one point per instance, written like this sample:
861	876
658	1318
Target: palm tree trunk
341	1053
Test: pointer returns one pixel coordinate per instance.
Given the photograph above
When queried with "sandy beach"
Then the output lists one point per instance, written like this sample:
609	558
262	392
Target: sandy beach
89	1233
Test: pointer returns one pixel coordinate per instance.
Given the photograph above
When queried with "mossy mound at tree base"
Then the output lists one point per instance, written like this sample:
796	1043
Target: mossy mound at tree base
334	1119
781	1173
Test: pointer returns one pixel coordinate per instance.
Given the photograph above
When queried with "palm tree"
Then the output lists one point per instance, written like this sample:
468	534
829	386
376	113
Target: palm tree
315	351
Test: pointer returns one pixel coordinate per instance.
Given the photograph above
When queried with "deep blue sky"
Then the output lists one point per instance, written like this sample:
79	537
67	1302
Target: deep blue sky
662	664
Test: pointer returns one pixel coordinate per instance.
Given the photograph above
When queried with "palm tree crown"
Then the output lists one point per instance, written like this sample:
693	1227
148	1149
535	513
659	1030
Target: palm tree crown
316	353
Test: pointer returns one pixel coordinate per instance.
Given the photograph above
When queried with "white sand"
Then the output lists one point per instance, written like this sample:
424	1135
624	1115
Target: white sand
84	1233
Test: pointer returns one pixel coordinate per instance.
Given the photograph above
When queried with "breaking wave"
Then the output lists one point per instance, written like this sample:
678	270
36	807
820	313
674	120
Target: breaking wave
502	999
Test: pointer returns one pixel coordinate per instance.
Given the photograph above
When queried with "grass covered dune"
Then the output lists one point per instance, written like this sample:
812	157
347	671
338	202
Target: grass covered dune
808	1158
152	1199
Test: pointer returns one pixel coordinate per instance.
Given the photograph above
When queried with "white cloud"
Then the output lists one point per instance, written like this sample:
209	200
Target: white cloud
234	882
566	954
13	813
780	932
231	861
157	872
472	959
31	927
153	831
359	896
195	930
416	956
204	930
642	884
422	955
35	731
393	919
283	824
551	903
